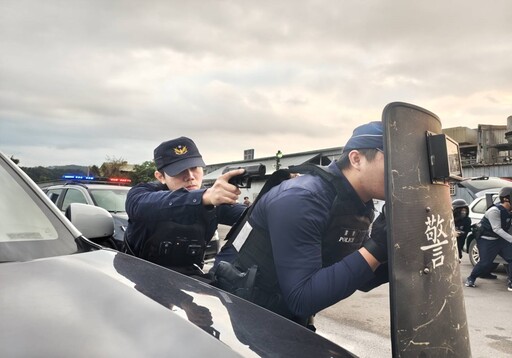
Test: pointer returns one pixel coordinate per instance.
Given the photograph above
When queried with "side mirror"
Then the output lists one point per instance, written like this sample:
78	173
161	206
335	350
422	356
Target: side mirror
92	221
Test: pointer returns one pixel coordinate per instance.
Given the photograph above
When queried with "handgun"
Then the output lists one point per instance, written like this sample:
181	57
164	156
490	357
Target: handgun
251	171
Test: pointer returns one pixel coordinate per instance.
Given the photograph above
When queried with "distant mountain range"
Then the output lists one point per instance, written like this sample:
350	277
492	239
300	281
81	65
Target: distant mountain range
48	174
72	168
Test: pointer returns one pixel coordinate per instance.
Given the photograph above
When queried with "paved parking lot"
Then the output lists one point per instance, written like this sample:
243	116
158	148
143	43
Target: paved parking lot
361	323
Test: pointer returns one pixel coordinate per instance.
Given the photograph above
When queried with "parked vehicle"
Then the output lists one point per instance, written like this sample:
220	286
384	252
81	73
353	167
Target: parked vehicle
94	192
110	194
65	296
472	188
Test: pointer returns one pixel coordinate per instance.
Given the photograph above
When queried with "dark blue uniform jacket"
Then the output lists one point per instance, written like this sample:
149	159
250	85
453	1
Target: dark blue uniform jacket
149	203
295	214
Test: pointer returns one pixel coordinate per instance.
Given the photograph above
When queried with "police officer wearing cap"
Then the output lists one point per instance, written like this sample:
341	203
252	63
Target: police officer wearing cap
310	242
494	238
172	220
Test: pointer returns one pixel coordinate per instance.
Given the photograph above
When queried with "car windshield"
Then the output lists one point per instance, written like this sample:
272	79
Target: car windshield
29	229
112	200
15	207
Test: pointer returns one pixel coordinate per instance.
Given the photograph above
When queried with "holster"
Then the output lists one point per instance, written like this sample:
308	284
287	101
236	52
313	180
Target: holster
175	245
476	229
232	280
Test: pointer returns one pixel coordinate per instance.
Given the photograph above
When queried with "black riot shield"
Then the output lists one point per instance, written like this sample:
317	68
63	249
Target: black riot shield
428	317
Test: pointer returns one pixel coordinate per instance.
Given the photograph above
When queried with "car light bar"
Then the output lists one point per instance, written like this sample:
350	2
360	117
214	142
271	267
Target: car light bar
119	180
77	177
91	178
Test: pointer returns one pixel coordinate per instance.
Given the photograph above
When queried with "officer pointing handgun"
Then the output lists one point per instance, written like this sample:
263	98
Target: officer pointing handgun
306	243
172	220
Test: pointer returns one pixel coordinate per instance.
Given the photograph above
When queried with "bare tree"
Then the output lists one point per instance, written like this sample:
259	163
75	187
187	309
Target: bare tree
14	160
112	167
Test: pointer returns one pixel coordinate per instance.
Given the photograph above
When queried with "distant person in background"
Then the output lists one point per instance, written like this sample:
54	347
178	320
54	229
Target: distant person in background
247	202
462	222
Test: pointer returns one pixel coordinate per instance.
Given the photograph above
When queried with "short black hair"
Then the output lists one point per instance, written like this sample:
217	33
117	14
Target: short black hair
343	162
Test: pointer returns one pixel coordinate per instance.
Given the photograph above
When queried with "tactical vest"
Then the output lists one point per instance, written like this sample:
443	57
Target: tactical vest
345	234
177	246
505	223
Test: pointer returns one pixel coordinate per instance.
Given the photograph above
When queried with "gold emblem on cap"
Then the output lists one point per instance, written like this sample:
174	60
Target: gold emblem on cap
180	150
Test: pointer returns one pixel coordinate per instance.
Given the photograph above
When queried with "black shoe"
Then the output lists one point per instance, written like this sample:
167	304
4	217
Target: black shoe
470	282
489	276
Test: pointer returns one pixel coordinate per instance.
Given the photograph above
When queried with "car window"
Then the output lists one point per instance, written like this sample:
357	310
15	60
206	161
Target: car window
480	206
112	200
29	228
15	207
73	196
54	194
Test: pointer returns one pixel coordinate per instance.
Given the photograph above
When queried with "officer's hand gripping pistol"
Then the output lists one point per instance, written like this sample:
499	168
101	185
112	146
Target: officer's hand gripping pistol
251	171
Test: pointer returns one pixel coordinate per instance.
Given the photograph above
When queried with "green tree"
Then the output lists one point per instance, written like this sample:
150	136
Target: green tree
44	175
143	173
40	174
94	171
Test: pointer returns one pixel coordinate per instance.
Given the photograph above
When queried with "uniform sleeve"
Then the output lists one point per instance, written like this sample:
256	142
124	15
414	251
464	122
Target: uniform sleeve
466	228
296	222
467	225
494	217
147	202
229	214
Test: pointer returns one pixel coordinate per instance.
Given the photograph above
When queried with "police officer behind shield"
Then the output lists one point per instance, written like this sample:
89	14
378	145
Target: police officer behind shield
172	220
462	222
494	238
308	239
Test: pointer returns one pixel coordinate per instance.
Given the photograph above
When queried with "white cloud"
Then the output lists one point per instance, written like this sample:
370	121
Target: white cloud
89	79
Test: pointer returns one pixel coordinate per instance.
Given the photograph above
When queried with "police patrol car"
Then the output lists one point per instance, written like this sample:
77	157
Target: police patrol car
107	193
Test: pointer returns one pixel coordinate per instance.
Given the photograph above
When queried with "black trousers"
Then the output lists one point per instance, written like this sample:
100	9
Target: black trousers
488	250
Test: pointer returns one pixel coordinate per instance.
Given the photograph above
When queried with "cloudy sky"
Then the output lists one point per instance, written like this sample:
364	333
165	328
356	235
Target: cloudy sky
83	81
